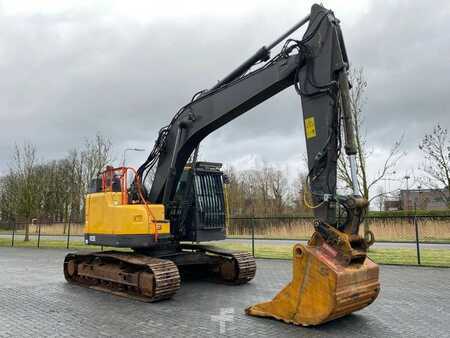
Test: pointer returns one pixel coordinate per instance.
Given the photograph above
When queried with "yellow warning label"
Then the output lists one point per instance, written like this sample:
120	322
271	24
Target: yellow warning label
310	127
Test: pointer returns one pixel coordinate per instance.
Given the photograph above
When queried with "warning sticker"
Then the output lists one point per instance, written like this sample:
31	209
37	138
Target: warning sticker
310	127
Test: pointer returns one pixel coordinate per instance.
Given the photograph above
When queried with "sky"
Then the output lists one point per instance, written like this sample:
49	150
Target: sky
70	69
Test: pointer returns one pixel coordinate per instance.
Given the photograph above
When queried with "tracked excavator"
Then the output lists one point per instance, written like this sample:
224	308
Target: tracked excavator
170	205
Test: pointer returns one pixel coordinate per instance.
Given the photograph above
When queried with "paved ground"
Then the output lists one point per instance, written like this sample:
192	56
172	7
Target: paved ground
35	301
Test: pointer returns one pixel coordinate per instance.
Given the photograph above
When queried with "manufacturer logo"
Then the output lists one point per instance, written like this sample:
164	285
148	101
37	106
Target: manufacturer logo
226	315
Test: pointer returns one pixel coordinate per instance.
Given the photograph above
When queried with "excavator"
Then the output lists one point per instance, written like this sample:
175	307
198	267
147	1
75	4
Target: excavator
161	214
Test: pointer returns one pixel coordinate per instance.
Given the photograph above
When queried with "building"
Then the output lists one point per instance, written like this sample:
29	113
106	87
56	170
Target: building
423	199
391	204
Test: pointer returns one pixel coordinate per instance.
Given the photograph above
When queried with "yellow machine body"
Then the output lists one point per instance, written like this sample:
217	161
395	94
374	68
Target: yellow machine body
108	218
323	288
119	216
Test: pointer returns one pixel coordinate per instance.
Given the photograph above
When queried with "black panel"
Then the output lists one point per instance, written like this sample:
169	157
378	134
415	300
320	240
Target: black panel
125	241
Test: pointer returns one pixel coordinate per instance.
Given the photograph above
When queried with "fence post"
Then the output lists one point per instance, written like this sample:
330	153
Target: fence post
417	239
68	235
13	234
253	237
39	235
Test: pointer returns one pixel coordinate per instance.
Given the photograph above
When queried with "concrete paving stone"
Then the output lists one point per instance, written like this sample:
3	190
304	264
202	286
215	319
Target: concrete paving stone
36	301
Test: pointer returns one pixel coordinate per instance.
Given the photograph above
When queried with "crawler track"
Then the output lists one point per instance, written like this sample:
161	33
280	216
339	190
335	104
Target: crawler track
126	274
235	267
246	267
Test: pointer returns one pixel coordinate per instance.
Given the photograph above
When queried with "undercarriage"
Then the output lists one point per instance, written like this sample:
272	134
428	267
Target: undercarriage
155	277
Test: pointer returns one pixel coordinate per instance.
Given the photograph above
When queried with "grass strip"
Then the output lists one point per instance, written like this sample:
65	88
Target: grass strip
402	256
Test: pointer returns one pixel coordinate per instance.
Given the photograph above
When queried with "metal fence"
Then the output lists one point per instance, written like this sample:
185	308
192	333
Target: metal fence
434	229
36	232
416	231
419	231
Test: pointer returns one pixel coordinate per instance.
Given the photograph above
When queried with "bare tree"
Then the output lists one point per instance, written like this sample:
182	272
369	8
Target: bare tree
95	156
301	193
258	192
9	198
278	190
366	183
24	170
52	190
436	149
254	192
234	194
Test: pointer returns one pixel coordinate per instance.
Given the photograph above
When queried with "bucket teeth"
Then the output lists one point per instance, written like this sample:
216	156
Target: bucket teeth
322	289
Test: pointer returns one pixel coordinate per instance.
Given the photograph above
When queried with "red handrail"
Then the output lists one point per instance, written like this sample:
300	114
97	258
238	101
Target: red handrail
108	177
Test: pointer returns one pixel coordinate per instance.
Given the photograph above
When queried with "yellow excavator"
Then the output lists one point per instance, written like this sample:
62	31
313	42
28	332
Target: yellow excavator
164	210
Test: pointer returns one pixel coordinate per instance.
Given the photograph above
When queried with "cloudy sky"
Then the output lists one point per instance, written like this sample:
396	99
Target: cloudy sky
70	69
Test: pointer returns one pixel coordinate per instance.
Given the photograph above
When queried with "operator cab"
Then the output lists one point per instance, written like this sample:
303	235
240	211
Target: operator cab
198	212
